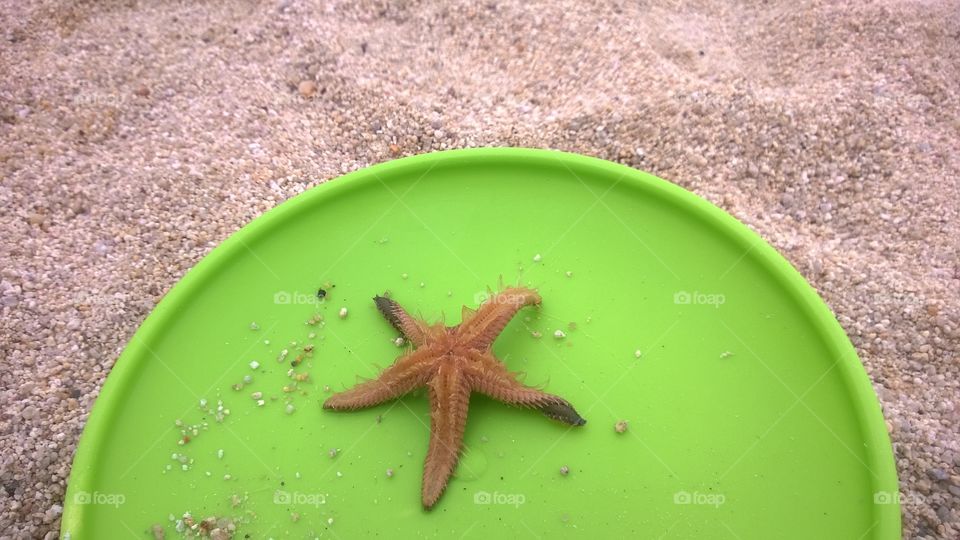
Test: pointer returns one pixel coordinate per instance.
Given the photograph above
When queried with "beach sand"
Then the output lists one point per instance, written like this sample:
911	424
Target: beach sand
136	135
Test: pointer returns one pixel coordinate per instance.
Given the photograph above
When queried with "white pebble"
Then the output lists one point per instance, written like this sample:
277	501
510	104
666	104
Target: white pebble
559	334
537	258
637	353
290	408
220	453
398	342
254	364
254	326
726	354
256	395
569	273
260	403
203	403
343	313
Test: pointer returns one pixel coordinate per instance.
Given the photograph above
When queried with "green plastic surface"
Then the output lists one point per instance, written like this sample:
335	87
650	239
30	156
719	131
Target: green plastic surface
750	415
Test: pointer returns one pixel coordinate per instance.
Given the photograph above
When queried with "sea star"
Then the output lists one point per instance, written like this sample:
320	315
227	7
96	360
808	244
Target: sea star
453	362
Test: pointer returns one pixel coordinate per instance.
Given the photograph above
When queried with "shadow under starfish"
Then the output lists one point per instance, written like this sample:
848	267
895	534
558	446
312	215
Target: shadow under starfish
452	362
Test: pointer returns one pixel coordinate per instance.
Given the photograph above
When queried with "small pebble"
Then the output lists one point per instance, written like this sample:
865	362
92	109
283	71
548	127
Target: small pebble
343	313
537	258
938	474
389	473
726	354
620	427
637	353
559	334
254	364
307	88
564	470
254	326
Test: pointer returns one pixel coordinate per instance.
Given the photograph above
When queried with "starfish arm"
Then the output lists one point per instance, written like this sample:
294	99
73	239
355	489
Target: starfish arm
479	330
412	329
490	377
410	371
449	400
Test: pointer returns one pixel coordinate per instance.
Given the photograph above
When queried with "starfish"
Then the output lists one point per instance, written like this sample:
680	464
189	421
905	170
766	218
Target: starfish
453	362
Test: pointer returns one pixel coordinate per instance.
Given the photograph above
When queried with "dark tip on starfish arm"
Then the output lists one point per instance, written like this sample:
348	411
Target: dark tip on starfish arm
562	411
490	377
400	319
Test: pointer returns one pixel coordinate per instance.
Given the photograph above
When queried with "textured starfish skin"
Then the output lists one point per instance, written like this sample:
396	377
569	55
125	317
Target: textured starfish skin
452	362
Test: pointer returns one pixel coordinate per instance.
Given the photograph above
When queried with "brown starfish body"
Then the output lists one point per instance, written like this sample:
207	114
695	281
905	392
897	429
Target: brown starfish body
453	362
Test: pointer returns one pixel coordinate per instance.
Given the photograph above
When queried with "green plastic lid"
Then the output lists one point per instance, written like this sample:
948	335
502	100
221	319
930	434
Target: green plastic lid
748	413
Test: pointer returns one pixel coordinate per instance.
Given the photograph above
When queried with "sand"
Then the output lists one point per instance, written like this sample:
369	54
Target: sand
135	136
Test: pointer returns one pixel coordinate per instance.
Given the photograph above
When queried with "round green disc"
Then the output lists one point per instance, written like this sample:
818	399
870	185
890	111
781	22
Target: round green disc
748	413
